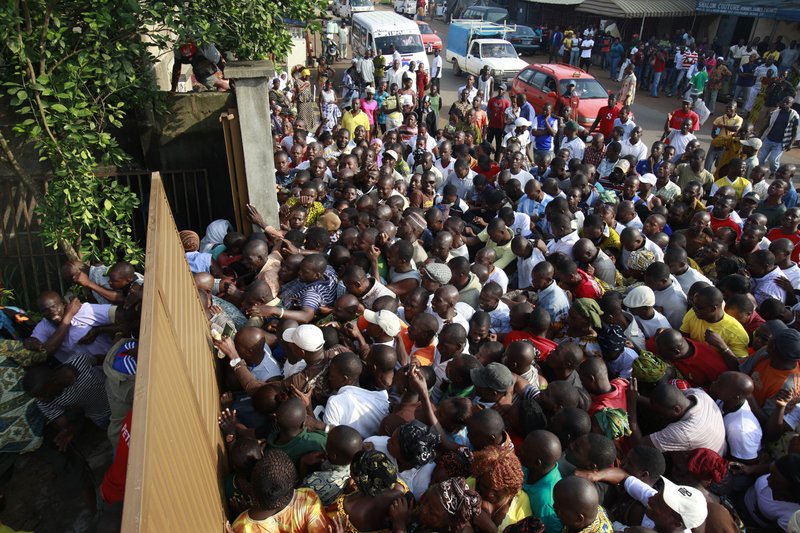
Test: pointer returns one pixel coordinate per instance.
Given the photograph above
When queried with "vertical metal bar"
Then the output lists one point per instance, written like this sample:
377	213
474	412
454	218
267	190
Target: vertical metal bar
196	189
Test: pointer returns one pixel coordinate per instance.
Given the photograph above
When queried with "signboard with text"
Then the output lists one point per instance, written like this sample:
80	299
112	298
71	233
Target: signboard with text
732	8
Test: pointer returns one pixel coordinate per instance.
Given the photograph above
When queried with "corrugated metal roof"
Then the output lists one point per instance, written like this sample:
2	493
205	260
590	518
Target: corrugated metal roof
638	8
558	2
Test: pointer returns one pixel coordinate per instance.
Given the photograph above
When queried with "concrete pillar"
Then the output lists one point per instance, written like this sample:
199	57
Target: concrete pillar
252	89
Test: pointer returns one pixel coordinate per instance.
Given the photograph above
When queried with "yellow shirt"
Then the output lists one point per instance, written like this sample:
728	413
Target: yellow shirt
519	508
504	254
739	185
731	331
351	122
722	121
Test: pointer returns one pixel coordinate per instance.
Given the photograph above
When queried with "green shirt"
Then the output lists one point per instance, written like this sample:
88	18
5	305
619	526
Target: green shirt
305	442
699	82
540	494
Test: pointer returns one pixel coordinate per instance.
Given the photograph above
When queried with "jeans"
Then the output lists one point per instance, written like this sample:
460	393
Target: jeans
654	85
741	92
647	73
614	67
574	56
712	157
770	154
711	99
678	80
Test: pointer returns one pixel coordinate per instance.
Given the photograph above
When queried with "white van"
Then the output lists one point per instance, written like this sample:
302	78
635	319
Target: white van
379	30
405	7
347	8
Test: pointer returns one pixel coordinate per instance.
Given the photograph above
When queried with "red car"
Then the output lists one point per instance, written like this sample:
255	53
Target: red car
430	40
542	84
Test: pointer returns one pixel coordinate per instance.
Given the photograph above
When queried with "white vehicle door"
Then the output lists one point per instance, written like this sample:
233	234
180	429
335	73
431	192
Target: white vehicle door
474	58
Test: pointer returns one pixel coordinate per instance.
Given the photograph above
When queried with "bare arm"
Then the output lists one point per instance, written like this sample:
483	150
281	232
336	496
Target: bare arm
54	342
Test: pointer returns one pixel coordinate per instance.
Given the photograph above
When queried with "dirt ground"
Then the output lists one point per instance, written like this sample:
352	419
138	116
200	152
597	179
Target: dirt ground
50	492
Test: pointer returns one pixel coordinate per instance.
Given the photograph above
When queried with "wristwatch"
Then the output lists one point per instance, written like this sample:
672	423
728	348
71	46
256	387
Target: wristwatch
235	362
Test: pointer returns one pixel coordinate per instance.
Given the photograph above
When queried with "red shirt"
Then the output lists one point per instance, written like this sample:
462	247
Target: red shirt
679	116
587	288
778	233
702	367
611	400
607	116
497	107
516	335
112	489
545	346
660	63
752	325
717	223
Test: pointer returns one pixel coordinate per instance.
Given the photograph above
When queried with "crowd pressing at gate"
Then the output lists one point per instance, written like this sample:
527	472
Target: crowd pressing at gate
486	318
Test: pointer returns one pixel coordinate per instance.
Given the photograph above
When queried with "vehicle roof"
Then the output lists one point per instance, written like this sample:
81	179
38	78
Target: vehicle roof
385	20
561	71
487	8
492	41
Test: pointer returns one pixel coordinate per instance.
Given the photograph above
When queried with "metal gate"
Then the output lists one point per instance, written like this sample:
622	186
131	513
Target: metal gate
28	267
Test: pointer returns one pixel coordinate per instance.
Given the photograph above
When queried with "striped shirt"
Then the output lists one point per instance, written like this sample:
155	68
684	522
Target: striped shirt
298	294
87	392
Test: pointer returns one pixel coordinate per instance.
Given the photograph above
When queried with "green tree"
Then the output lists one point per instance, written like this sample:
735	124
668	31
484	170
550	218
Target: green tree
75	68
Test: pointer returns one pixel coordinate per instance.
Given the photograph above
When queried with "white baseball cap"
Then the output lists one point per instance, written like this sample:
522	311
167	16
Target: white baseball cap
688	502
306	337
390	153
641	296
648	178
522	122
385	319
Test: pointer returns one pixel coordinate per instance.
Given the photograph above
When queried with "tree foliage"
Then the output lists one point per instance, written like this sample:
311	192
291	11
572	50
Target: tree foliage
75	68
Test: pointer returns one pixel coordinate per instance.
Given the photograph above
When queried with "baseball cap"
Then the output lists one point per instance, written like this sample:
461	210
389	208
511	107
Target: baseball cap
571	83
522	122
502	86
648	178
688	100
687	502
624	165
306	337
388	321
371	90
438	272
752	196
641	296
754	143
493	376
787	343
390	153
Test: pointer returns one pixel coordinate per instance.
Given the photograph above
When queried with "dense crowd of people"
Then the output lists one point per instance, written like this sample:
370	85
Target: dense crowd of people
489	319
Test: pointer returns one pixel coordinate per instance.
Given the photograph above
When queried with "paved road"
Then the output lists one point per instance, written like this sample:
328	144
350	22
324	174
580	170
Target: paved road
650	113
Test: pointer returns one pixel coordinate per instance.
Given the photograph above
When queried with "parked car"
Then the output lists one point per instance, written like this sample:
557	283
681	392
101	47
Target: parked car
525	40
495	14
430	39
543	83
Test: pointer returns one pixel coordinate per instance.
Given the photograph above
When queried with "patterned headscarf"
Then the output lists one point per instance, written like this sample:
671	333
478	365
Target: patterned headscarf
649	368
460	502
613	422
611	340
641	259
189	240
590	309
373	472
417	443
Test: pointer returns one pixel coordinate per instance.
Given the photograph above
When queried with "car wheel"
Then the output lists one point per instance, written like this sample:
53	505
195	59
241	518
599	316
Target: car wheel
456	68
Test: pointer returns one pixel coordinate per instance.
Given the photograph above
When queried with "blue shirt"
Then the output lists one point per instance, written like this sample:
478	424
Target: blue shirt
528	112
557	38
544	142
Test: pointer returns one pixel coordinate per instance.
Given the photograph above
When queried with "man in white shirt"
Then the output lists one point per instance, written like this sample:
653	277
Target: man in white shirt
677	260
586	53
742	429
351	405
572	142
764	274
633	145
669	295
394	75
436	69
694	420
470	89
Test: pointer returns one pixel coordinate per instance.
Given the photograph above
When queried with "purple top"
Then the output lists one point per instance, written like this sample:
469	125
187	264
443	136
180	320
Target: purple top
89	316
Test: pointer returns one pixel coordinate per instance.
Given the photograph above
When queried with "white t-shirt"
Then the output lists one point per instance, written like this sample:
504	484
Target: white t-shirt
358	408
793	273
525	268
586	47
522	224
576	147
436	67
690	277
700	427
743	432
523	176
760	496
500	277
651	326
268	368
672	300
417	479
765	286
638	150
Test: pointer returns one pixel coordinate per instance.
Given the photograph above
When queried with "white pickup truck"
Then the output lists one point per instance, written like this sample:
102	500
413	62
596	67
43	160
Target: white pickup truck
474	44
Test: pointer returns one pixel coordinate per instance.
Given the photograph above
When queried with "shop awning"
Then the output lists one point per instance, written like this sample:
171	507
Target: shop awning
771	9
556	2
634	9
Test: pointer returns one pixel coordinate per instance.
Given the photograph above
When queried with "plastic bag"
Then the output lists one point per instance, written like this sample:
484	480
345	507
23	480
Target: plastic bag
701	110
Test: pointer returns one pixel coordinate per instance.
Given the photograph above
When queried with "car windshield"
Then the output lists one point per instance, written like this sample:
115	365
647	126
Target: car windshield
425	29
361	3
404	44
523	30
496	16
585	88
498	50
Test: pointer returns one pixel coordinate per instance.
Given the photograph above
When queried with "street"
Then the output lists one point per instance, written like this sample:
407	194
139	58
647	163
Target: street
649	113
